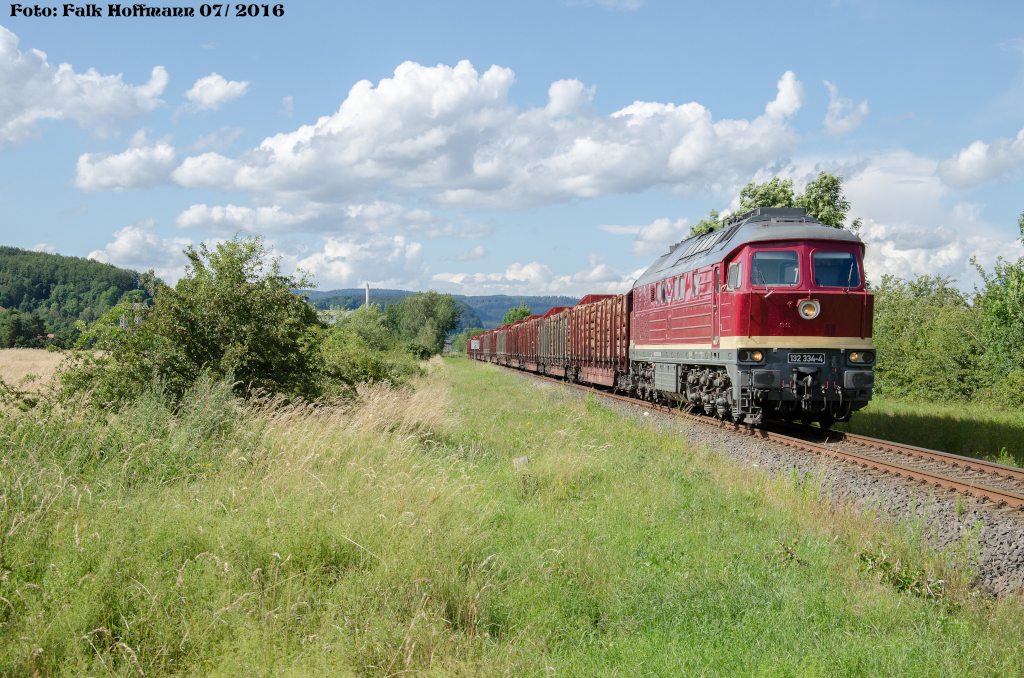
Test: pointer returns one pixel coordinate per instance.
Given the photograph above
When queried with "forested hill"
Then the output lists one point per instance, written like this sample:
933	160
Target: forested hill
46	293
479	311
492	308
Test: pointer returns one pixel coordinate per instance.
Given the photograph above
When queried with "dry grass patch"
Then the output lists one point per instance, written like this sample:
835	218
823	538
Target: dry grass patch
29	369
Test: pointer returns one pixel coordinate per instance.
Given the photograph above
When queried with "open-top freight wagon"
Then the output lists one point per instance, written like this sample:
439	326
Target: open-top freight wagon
768	316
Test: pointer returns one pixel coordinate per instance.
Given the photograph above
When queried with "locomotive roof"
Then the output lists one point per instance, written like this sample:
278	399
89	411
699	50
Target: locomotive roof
761	224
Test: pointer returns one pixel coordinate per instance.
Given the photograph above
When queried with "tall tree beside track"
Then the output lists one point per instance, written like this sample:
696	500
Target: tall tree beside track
422	321
231	315
1001	302
360	349
823	198
929	340
460	340
774	193
516	313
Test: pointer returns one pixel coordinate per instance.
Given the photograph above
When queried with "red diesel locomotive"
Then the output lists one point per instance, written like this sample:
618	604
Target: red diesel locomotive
768	317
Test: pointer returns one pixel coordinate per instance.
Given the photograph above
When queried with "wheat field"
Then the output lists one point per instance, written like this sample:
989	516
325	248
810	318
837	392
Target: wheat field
29	368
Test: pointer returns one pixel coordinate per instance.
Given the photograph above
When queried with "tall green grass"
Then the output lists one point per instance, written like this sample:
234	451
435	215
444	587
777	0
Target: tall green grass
394	537
970	429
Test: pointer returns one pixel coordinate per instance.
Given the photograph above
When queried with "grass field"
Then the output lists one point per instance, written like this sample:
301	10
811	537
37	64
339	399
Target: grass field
396	538
967	429
28	368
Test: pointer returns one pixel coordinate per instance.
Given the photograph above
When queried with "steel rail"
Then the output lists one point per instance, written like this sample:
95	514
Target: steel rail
866	461
910	473
954	460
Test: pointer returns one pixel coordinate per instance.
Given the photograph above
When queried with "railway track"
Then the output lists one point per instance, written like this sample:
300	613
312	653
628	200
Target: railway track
983	480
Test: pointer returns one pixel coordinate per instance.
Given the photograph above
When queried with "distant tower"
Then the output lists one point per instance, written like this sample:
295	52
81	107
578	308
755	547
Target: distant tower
367	294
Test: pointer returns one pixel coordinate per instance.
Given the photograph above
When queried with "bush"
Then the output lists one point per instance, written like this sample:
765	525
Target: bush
359	349
1001	302
1006	393
928	339
459	340
231	315
422	321
516	313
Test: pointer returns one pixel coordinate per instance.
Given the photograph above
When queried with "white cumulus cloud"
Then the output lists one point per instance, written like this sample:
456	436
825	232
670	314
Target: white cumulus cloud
654	239
450	135
213	91
338	220
538	278
982	162
843	116
228	219
473	254
143	165
911	231
33	90
384	261
139	247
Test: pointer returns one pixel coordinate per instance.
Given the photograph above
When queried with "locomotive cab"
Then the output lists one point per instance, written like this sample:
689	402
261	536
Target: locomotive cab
802	327
768	317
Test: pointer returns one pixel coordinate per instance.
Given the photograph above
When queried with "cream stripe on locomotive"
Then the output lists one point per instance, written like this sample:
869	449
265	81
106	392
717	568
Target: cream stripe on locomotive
728	343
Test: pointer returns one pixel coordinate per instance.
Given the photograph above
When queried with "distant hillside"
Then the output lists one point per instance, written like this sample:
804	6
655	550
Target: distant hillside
487	311
492	308
355	292
46	293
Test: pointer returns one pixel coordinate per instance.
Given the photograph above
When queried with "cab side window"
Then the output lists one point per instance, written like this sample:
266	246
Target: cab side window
735	275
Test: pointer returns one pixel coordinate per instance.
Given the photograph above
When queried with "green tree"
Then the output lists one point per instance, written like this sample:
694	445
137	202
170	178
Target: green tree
1020	225
460	340
60	290
706	225
231	315
516	313
1001	302
22	330
359	349
423	320
929	340
775	193
824	200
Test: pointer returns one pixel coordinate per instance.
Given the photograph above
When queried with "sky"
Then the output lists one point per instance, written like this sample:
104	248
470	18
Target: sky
551	147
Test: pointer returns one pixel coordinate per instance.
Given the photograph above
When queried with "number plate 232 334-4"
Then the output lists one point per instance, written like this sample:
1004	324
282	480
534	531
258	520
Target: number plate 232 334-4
807	358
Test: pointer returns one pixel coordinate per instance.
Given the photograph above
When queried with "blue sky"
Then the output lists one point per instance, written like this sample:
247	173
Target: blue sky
531	147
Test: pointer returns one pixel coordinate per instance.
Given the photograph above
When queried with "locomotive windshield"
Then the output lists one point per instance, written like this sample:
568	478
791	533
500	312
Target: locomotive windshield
836	269
772	269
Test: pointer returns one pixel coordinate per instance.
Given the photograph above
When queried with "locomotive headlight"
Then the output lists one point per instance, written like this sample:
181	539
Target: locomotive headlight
808	309
855	357
744	355
861	356
756	356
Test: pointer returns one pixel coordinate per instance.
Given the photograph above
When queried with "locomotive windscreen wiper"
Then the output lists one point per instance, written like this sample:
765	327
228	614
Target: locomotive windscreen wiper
763	281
